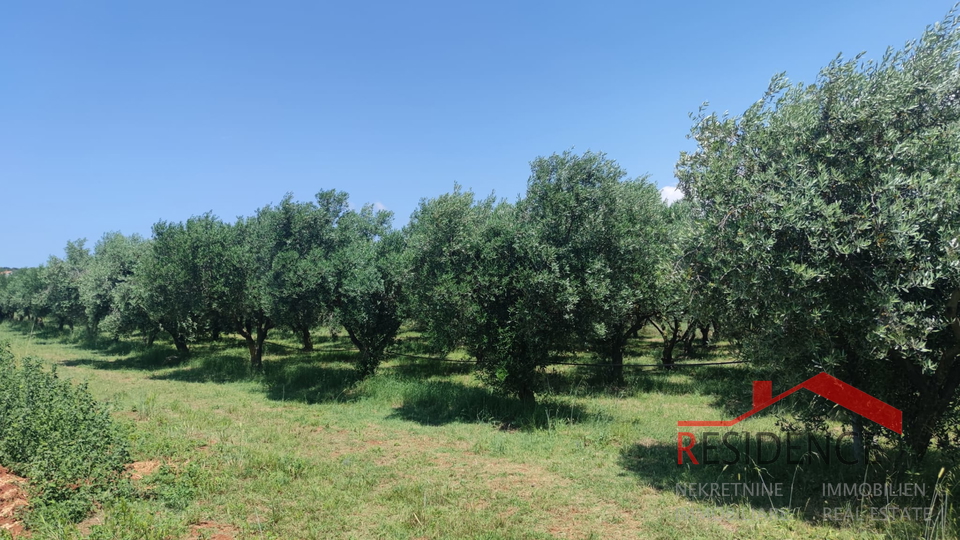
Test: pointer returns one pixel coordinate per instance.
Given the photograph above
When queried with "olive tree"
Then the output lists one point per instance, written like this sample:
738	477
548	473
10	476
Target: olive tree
607	235
188	278
678	310
832	216
444	239
61	284
108	290
22	295
483	280
367	282
300	237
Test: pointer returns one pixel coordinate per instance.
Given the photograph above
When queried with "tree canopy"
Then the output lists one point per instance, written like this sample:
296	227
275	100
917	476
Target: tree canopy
831	215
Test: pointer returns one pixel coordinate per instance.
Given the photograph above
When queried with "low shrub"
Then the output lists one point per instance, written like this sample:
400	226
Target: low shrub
54	433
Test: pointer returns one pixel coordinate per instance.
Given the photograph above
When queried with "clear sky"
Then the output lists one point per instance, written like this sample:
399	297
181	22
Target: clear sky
114	115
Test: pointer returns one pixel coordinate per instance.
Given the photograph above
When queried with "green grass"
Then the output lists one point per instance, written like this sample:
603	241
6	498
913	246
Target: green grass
421	450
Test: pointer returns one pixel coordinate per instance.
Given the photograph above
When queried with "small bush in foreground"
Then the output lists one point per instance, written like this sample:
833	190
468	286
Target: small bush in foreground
56	435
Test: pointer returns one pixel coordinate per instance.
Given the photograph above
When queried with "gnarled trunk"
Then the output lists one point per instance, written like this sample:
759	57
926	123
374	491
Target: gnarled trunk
705	336
149	338
255	342
306	339
180	341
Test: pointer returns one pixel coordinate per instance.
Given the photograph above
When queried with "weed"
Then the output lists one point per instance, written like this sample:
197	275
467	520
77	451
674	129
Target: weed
55	433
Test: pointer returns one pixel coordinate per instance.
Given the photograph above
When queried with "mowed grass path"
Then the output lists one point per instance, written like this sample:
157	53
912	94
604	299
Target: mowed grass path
421	450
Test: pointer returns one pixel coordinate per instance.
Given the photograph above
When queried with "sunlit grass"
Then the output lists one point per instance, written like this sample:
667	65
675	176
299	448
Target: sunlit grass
421	450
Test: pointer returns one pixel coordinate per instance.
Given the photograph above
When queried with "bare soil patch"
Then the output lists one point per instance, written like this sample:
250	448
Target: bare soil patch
213	531
140	469
12	499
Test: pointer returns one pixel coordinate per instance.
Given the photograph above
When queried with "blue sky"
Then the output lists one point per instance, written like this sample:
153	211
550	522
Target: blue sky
114	115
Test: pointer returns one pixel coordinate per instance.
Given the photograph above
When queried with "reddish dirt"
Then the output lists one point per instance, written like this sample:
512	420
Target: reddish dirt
139	469
213	531
12	499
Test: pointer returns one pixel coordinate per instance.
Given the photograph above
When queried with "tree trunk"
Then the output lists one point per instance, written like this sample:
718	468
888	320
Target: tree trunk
687	340
261	340
149	338
668	354
705	336
306	339
370	356
255	343
616	365
256	354
919	430
526	395
356	341
180	341
670	341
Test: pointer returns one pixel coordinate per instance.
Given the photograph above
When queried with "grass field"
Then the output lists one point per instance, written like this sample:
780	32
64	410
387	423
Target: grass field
421	450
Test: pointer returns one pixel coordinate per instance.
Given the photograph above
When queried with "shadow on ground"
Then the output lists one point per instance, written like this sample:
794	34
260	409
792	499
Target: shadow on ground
307	381
437	402
152	359
422	368
730	386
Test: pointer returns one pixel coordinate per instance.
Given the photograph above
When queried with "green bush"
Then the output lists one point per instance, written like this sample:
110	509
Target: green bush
56	435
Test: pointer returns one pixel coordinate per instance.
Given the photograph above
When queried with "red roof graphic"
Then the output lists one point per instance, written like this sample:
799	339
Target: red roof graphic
824	385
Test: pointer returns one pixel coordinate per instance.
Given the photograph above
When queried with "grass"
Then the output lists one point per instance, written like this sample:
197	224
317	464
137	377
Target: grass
421	450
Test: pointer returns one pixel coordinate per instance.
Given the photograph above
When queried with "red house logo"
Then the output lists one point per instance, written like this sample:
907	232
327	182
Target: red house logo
824	385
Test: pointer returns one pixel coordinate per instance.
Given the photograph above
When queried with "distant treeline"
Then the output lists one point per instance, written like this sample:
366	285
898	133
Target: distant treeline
820	231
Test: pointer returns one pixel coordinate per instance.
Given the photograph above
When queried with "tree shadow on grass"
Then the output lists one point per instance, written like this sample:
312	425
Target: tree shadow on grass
273	348
322	356
294	375
589	381
420	368
152	359
435	403
415	345
215	368
305	380
730	386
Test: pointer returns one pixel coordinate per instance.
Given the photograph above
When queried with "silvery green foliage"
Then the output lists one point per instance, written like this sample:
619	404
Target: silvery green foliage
300	238
482	280
189	277
61	284
108	290
21	293
831	216
573	264
607	235
367	279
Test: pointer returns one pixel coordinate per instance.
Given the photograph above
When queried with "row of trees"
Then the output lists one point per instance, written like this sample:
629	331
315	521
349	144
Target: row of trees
820	230
579	264
291	264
